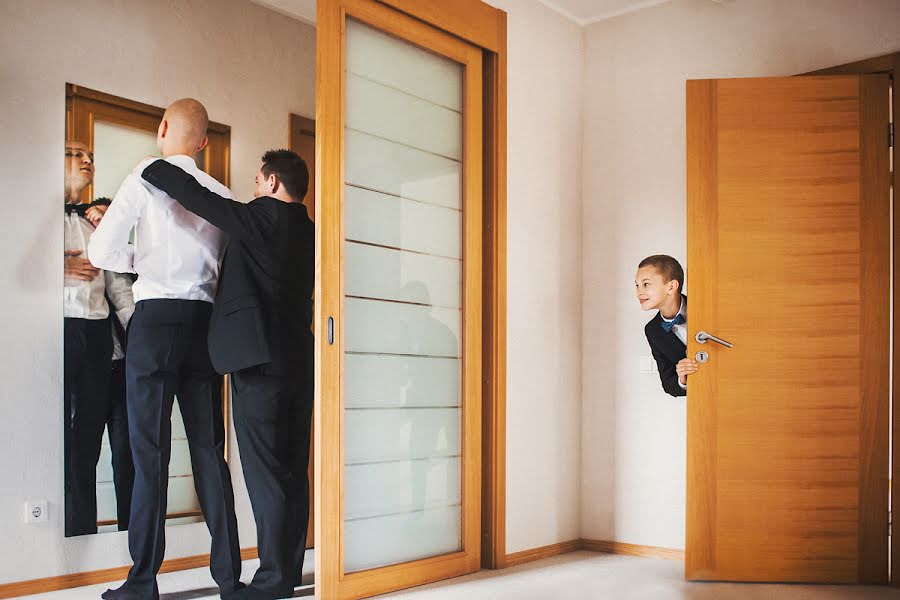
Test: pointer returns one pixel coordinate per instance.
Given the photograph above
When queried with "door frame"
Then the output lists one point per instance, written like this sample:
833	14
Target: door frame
481	25
889	64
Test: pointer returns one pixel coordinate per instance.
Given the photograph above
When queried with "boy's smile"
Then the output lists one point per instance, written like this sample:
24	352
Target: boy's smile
651	289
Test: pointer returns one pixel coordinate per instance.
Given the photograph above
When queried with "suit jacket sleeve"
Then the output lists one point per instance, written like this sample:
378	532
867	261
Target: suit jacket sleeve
253	222
667	375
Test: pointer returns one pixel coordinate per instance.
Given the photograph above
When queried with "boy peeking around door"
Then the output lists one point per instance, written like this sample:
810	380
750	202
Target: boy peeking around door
658	286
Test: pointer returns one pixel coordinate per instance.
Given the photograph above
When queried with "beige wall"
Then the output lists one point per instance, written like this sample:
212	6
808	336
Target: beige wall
633	451
230	54
595	449
545	74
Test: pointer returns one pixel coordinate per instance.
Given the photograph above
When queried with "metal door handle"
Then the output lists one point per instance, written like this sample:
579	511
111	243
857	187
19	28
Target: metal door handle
702	336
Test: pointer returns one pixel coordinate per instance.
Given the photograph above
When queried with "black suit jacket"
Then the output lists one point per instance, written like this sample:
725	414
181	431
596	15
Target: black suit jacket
263	306
667	351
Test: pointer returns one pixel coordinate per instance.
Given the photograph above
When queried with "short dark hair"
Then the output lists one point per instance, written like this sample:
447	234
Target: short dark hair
290	169
667	266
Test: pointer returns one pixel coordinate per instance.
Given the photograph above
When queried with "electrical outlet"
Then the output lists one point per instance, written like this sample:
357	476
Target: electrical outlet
36	510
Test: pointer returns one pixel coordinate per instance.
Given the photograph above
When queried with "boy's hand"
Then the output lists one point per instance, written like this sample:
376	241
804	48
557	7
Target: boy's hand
685	367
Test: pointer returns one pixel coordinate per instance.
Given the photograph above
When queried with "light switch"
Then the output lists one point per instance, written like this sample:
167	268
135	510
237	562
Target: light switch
647	364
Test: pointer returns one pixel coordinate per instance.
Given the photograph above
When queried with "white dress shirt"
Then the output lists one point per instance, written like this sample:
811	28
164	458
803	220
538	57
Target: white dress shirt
82	299
681	329
176	254
118	287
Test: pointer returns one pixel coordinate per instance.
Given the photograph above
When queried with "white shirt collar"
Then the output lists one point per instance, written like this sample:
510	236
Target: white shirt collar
182	160
681	311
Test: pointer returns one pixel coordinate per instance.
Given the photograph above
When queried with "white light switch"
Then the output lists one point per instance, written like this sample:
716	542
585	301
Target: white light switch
647	364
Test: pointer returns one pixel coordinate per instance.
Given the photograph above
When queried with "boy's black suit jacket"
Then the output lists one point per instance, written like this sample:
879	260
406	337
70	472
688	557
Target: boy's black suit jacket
263	306
667	351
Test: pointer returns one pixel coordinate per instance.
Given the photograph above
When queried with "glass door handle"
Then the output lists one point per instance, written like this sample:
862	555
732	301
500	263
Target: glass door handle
702	337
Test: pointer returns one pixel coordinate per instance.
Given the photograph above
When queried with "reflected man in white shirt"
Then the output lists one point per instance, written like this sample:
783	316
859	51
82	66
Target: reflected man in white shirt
87	344
176	257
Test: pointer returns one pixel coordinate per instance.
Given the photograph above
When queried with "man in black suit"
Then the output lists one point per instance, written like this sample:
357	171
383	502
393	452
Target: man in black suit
260	334
658	286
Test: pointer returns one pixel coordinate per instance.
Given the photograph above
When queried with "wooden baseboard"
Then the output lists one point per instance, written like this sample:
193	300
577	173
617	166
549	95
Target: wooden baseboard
63	582
632	549
526	556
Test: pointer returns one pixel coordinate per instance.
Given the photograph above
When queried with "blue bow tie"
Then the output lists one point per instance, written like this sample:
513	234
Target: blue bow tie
668	325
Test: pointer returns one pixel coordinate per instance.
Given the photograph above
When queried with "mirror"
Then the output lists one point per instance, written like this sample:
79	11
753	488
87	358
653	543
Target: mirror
106	137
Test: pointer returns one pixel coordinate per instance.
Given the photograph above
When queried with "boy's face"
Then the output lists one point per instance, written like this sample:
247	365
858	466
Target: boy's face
651	288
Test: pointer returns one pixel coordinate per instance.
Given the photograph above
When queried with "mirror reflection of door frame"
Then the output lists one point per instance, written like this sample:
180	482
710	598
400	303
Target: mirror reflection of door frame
84	107
483	26
302	140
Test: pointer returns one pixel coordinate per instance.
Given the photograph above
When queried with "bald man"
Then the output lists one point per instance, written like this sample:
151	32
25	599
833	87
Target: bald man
176	257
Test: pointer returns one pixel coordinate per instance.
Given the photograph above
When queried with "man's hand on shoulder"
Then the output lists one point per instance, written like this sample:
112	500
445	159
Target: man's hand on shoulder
143	164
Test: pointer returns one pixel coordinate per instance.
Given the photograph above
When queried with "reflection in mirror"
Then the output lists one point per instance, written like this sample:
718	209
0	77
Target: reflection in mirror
107	136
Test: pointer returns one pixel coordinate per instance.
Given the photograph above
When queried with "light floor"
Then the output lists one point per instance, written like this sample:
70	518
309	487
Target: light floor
576	576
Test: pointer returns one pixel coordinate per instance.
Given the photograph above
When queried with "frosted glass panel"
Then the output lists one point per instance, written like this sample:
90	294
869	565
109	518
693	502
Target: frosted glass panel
379	57
402	326
117	148
377	327
394	115
385	220
400	433
384	166
384	381
391	488
378	541
375	272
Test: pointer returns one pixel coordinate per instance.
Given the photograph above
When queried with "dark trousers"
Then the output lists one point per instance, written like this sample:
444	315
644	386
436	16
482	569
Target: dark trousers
168	355
86	361
120	443
272	414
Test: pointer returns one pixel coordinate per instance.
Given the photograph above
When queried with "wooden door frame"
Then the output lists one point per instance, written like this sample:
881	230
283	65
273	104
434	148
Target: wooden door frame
479	24
300	127
890	65
85	106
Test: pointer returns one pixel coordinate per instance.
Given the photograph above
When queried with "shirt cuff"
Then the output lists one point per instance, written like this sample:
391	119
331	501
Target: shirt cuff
681	385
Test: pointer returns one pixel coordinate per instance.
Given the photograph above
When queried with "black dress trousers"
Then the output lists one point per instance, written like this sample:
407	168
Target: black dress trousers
168	355
272	415
87	351
120	444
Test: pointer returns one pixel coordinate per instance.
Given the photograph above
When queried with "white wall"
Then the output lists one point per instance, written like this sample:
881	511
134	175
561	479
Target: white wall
633	451
545	73
231	55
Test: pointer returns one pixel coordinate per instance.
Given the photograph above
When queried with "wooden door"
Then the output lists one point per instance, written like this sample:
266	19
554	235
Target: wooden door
302	140
789	260
398	290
